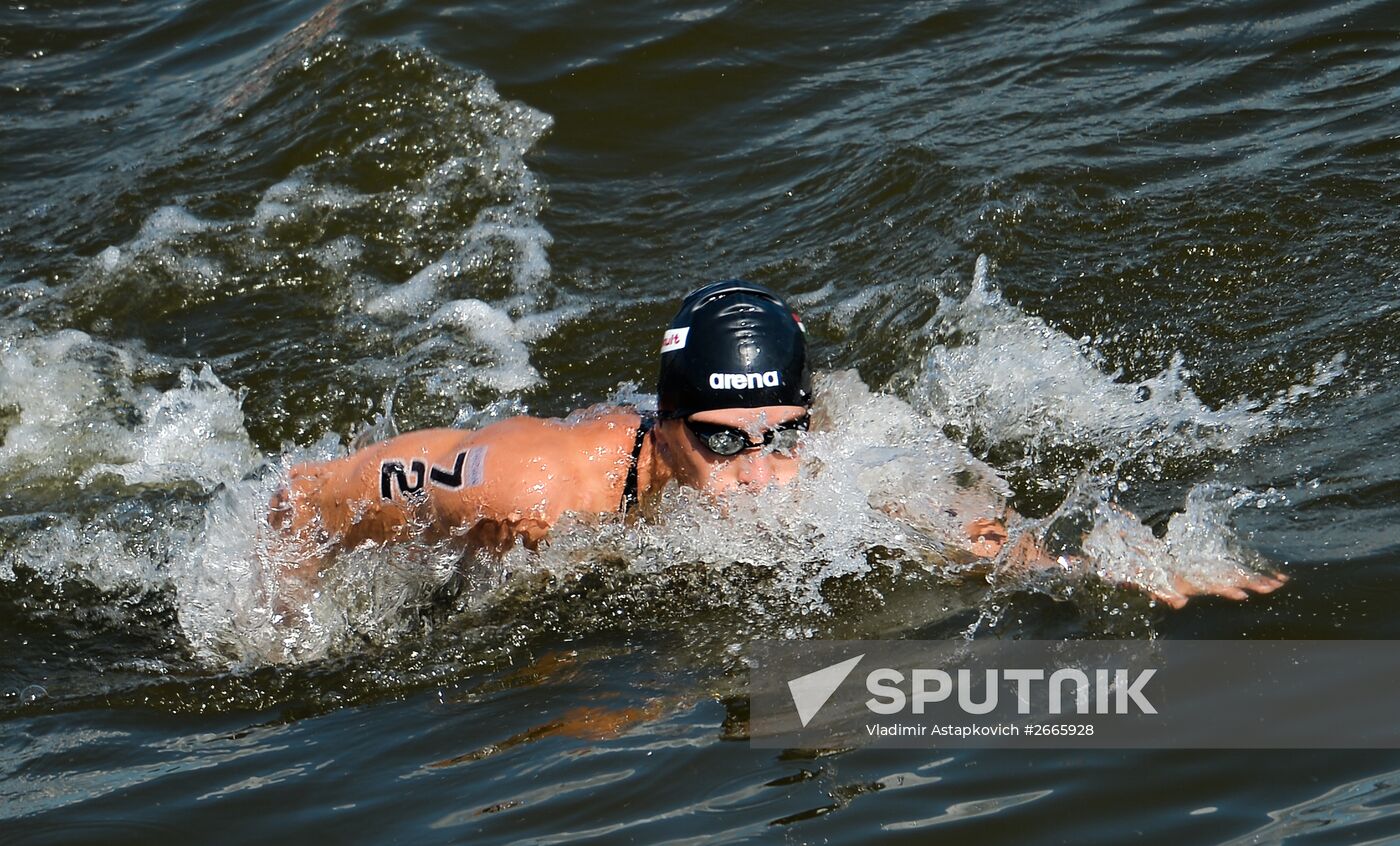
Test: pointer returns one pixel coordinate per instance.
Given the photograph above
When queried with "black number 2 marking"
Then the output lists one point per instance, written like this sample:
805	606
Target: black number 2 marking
392	474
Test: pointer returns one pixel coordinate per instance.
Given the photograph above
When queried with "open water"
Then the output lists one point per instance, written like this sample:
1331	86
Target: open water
1146	253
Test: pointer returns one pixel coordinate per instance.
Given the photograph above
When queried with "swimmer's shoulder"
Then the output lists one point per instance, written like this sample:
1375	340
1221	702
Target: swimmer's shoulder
582	432
586	432
577	463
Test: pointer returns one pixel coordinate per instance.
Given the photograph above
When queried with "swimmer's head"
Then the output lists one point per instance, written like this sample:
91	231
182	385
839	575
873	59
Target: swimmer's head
733	344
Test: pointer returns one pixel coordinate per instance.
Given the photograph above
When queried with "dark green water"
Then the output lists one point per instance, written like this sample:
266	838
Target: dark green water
1191	221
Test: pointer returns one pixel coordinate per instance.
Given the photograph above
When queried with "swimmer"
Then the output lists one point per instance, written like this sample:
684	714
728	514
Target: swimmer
733	397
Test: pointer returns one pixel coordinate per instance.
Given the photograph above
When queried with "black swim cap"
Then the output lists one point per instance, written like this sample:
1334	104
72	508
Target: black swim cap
733	344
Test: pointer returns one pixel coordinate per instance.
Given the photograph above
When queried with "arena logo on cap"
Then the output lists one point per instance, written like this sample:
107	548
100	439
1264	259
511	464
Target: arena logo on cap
745	381
674	339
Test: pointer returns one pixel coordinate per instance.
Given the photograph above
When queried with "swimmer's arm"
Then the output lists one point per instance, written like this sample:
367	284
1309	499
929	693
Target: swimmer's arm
327	506
339	504
988	537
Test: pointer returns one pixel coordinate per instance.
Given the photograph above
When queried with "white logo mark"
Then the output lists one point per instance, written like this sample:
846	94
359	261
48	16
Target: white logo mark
810	692
745	381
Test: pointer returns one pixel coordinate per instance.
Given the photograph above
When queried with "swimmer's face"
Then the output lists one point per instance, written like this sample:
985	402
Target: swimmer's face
754	467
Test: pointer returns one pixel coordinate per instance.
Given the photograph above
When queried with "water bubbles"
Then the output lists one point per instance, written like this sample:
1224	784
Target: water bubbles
31	694
1008	378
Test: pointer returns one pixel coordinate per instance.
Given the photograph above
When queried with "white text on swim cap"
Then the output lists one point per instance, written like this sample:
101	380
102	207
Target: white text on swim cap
745	381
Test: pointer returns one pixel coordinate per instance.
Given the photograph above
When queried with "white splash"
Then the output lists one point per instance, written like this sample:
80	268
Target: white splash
459	326
1199	548
875	473
1014	378
82	412
193	432
243	599
76	412
55	388
100	552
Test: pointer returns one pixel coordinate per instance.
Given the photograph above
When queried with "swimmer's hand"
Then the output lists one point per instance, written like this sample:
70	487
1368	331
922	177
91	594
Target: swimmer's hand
1238	583
988	538
1237	586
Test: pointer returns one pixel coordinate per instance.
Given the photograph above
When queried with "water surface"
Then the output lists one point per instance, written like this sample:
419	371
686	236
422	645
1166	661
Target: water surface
230	241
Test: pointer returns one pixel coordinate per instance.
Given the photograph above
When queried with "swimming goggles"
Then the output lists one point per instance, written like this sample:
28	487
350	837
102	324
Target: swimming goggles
728	440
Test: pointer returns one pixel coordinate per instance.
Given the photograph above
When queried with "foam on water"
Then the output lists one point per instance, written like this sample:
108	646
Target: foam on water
56	395
445	264
507	368
451	250
83	408
1012	378
1200	546
193	432
118	551
82	415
